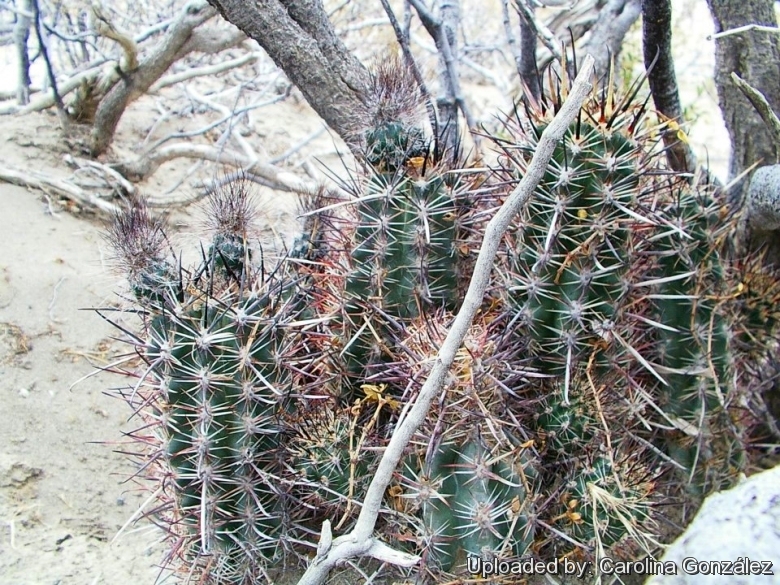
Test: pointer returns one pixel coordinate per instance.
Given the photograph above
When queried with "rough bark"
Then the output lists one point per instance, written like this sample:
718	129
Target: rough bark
657	47
755	57
299	38
606	37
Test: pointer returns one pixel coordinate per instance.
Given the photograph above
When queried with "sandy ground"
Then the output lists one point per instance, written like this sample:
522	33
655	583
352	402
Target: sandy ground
63	494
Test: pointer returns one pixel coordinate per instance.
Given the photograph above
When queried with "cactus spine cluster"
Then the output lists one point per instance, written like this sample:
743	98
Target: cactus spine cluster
605	370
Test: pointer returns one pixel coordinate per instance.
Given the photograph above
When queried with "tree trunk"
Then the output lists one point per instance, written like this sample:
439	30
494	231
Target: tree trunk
755	57
150	68
300	39
657	48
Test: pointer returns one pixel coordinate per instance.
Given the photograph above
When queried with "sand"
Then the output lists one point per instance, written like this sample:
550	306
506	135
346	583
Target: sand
63	495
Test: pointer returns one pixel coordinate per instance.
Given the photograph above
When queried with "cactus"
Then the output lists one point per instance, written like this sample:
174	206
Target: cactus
213	391
467	485
332	459
602	375
398	247
605	501
618	289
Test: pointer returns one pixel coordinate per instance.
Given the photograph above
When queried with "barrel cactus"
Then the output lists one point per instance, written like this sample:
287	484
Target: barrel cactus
214	389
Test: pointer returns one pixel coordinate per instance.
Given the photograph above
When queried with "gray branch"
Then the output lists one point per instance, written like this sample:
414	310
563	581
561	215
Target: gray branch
657	46
606	37
300	39
150	68
443	32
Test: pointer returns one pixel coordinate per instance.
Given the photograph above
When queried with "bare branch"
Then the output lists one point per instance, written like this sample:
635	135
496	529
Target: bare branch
360	540
103	26
545	34
514	48
228	116
277	178
762	107
299	38
754	55
212	40
606	36
657	44
21	33
442	30
528	69
429	21
59	187
742	29
205	41
149	70
202	71
49	68
47	100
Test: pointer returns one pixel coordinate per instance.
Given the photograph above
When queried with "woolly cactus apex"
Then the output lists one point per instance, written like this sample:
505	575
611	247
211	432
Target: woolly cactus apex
139	244
230	212
394	134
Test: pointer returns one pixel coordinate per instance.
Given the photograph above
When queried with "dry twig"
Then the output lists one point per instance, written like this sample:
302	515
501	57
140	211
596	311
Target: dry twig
761	105
59	187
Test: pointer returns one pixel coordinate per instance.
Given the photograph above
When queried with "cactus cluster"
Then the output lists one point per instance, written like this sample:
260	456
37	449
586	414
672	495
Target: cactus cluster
605	371
616	285
213	389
